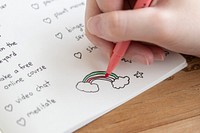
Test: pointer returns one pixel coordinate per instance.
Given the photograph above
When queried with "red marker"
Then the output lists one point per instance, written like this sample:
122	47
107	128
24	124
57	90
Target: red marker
121	47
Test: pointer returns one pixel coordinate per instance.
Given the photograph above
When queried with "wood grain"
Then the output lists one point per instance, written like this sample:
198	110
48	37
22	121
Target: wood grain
172	106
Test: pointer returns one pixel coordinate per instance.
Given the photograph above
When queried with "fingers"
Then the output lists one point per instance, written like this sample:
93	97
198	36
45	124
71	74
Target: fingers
158	52
148	25
144	54
139	53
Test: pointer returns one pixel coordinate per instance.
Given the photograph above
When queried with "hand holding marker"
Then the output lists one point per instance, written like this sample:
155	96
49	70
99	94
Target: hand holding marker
121	47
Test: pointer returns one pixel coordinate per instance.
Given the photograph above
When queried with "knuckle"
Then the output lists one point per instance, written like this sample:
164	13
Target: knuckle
164	26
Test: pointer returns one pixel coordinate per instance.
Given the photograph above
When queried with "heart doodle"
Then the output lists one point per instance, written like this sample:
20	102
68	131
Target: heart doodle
35	6
21	122
47	20
59	35
9	108
78	55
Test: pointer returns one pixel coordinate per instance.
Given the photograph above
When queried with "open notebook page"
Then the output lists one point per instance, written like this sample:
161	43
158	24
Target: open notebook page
52	78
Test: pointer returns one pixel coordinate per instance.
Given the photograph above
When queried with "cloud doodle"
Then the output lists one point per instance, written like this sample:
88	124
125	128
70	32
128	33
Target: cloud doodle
87	85
121	82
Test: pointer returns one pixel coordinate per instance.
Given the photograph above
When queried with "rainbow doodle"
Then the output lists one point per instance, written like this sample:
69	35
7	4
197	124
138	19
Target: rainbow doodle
88	85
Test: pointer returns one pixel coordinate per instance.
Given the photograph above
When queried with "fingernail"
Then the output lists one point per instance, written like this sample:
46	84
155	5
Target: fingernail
159	57
142	59
94	25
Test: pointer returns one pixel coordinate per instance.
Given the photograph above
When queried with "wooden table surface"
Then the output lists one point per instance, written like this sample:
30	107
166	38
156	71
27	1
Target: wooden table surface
172	106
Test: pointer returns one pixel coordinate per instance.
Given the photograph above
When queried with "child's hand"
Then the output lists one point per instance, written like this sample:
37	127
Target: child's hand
170	24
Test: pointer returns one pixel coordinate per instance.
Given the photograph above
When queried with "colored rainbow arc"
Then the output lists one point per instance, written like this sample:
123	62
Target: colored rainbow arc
99	75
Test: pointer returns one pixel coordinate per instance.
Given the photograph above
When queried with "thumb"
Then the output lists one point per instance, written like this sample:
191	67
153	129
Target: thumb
147	24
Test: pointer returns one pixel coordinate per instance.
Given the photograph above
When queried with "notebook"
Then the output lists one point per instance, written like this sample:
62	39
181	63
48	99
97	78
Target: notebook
52	78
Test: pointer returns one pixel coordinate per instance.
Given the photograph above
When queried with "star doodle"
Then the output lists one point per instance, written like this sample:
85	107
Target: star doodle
139	74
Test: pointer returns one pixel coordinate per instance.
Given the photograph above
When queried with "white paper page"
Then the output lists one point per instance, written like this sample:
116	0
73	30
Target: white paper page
51	76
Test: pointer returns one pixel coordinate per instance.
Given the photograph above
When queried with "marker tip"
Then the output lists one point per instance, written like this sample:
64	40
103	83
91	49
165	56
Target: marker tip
107	75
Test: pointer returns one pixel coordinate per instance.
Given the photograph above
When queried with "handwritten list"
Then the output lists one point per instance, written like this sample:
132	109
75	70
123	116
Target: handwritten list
14	78
18	72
